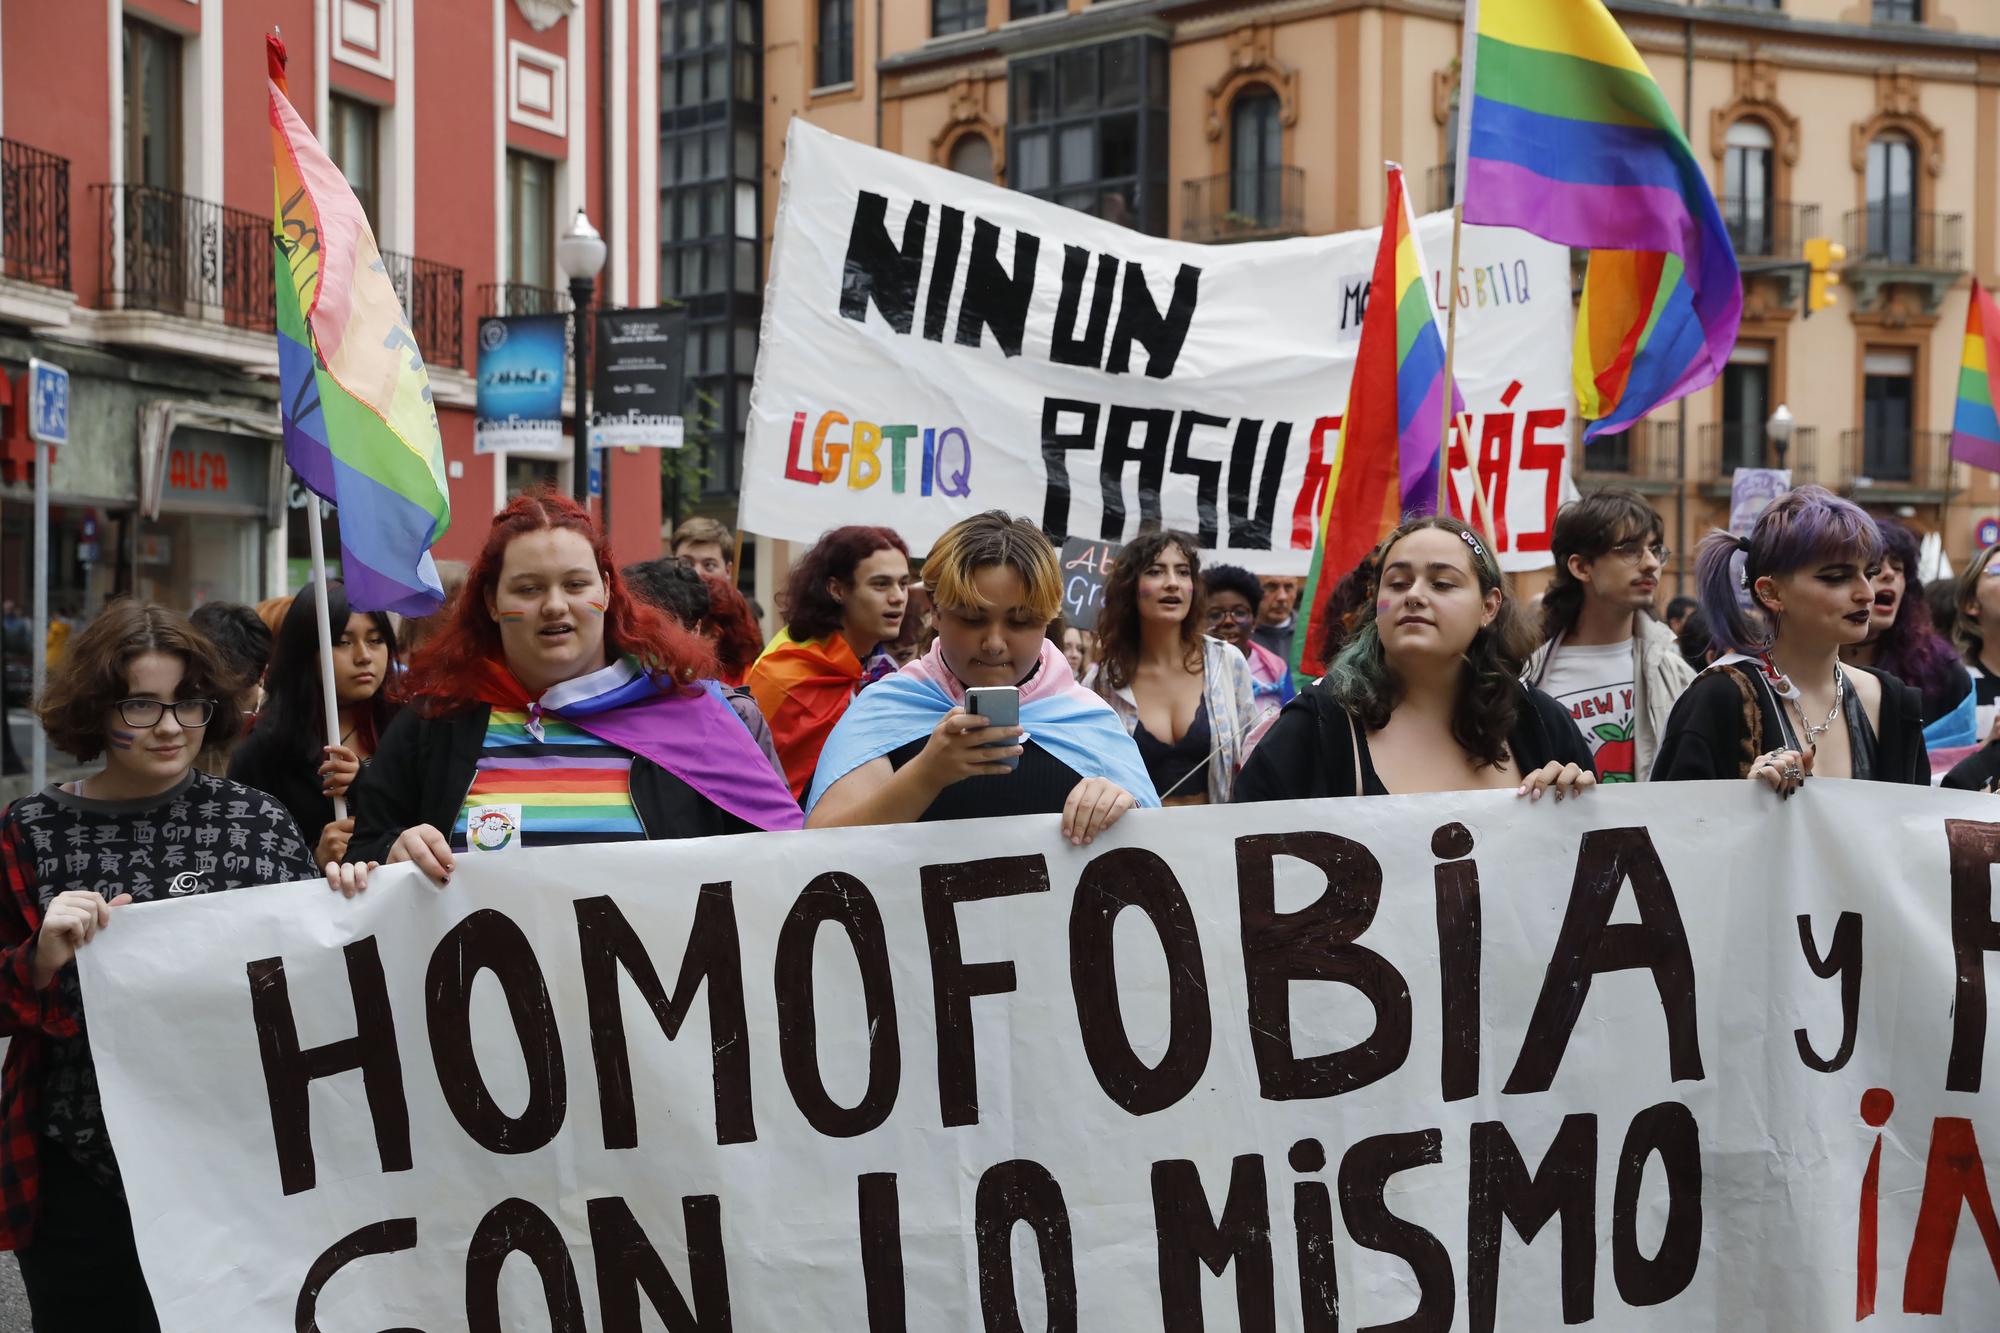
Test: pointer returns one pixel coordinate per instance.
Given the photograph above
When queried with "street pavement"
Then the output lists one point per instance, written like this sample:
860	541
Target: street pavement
13	1301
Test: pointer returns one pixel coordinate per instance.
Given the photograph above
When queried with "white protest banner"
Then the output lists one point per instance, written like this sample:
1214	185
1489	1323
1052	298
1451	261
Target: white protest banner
1459	1062
934	346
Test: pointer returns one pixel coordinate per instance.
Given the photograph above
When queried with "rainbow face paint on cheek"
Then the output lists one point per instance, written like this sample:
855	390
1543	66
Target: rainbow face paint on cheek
596	607
122	740
1382	607
512	617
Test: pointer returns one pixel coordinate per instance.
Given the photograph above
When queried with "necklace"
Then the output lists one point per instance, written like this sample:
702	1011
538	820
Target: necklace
1813	733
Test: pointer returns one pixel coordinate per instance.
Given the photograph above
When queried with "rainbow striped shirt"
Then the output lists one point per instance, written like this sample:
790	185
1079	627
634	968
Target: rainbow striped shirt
568	787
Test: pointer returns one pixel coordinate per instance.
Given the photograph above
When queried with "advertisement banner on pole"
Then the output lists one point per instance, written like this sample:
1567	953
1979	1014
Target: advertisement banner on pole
636	385
1703	1062
522	366
934	346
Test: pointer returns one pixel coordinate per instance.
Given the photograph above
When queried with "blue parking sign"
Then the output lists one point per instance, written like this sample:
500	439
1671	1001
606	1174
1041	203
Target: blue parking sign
48	403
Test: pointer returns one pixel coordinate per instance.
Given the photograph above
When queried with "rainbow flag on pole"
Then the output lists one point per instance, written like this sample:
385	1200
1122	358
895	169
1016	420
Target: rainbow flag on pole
1389	455
1975	431
360	430
1569	137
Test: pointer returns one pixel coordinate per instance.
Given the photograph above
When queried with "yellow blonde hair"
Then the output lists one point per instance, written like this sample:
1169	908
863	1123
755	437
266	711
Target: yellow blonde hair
989	539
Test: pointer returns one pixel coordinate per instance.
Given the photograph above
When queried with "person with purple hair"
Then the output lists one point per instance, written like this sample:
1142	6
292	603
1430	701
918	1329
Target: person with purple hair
1903	642
1778	706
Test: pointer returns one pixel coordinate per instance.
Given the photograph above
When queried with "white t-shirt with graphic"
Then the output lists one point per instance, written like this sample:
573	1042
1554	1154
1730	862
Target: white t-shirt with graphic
1595	684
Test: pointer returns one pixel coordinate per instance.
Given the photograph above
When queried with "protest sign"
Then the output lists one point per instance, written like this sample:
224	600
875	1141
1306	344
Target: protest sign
1750	490
520	404
635	396
934	346
1348	1053
1086	565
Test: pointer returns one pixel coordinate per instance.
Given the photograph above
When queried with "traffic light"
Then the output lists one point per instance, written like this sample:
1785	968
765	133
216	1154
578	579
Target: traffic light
1825	257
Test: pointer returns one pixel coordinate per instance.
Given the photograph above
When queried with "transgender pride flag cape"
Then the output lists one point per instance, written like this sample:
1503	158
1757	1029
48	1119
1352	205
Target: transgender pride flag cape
360	430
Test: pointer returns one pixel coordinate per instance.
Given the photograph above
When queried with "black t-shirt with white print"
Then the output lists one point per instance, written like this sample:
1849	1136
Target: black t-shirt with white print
204	835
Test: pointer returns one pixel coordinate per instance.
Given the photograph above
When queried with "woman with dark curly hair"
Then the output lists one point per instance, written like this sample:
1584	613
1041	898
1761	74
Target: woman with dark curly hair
1185	698
555	708
845	602
141	688
1902	641
1426	695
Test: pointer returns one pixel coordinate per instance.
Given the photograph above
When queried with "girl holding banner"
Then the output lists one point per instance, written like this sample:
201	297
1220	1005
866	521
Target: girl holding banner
143	689
555	708
1778	706
1426	696
906	749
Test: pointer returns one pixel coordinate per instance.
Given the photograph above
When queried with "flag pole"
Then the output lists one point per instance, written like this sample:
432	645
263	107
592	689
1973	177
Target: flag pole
1467	61
328	698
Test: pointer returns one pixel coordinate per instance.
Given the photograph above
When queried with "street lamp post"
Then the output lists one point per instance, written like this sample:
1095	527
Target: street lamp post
1779	428
580	252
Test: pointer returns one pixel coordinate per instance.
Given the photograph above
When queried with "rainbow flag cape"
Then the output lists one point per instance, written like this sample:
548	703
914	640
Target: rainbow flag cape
1975	431
1569	137
1388	459
360	430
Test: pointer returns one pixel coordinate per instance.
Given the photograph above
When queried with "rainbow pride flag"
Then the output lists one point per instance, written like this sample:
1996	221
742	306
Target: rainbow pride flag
360	430
1389	455
1975	431
1569	137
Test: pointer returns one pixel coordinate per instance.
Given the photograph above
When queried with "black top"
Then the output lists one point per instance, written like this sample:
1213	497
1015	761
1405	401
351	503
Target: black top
203	835
1173	767
1947	695
1711	735
425	765
1039	785
274	766
1308	752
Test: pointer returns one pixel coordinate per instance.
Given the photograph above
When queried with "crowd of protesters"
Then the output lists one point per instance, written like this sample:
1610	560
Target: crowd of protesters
557	699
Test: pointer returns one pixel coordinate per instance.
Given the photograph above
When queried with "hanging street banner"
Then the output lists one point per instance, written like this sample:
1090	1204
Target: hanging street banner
934	346
522	360
1660	1060
635	387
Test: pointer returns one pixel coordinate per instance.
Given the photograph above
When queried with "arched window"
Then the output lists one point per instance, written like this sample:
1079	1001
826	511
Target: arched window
1747	205
1892	199
1255	157
972	156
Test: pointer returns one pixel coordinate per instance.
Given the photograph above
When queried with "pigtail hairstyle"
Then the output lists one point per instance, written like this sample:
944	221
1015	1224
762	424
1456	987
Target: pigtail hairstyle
1490	695
1803	527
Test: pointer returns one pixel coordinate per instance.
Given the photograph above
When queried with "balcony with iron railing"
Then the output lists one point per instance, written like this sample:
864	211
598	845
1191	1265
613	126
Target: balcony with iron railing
34	215
1768	228
1721	447
1245	205
433	297
1646	457
519	298
1889	248
1892	466
169	253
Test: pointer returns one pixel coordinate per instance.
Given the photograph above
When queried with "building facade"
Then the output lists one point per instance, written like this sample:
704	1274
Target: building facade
136	250
1870	123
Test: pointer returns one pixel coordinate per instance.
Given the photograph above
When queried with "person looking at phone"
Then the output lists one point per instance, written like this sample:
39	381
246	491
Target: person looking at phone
1186	698
909	748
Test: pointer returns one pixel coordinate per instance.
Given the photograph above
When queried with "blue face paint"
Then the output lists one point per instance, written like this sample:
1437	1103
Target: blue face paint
122	740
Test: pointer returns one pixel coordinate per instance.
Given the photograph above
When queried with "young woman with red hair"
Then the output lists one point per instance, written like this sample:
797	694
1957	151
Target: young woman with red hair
548	683
732	629
845	602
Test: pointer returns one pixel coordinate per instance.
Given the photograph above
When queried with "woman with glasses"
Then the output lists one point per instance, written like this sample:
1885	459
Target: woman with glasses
1778	706
1184	697
142	690
1604	657
286	753
1978	602
1234	595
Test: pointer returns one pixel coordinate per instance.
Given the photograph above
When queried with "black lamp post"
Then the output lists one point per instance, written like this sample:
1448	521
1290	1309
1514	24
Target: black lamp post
1779	428
581	252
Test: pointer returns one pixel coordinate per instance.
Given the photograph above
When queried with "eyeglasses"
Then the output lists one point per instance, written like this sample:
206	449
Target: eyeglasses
1633	552
143	713
1218	614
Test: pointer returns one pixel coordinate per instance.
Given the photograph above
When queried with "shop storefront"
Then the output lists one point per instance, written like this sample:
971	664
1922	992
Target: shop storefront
210	537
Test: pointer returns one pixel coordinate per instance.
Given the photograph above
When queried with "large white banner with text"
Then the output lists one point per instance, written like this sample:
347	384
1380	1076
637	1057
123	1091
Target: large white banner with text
1674	1059
934	346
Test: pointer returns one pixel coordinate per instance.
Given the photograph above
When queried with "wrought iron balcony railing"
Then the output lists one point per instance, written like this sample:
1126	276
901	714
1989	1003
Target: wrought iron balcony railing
1906	238
518	298
1244	205
1896	460
34	215
1721	447
433	296
1769	229
1648	452
180	255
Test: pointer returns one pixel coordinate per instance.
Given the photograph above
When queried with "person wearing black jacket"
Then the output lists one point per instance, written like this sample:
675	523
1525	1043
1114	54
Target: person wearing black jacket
1779	706
1426	696
287	755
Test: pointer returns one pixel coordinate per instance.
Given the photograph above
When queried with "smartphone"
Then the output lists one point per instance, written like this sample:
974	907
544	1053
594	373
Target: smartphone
1000	706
